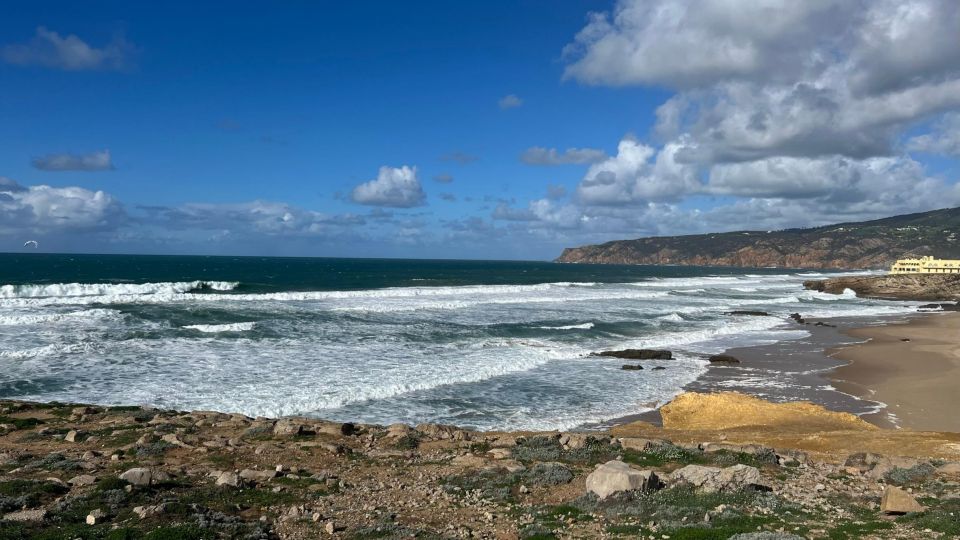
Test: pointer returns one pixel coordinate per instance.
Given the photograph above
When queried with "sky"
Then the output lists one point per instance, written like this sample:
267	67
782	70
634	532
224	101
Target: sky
481	130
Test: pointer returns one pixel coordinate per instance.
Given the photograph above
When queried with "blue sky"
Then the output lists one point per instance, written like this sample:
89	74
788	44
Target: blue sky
220	129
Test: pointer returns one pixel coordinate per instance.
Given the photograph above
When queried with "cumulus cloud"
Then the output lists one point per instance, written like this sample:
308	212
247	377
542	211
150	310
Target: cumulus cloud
510	101
780	78
95	161
638	173
538	155
944	139
45	209
49	49
393	187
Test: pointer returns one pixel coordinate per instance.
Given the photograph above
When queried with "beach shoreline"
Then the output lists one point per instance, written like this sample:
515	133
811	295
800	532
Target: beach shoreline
912	366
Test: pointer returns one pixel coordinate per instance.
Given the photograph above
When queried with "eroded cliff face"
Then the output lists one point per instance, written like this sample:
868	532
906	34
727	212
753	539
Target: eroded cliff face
866	245
927	287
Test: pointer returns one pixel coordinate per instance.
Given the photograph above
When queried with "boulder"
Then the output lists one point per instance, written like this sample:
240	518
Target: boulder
138	476
797	317
257	477
96	516
144	512
334	428
73	436
713	479
631	367
897	501
637	354
82	480
288	427
642	444
616	476
724	359
229	479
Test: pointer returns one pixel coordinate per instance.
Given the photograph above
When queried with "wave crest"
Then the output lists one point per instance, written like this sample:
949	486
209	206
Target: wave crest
101	289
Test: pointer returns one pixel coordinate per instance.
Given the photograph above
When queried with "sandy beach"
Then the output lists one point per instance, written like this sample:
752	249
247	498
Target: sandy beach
913	367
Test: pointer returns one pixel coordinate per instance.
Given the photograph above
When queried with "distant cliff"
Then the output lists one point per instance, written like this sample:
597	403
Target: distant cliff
864	245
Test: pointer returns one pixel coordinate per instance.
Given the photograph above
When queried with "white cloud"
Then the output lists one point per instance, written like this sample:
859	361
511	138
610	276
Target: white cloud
943	139
780	78
638	173
510	101
538	155
50	49
94	161
689	44
45	209
393	187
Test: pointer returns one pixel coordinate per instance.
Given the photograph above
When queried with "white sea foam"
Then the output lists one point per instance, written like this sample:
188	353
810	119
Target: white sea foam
395	354
215	328
584	326
84	316
108	289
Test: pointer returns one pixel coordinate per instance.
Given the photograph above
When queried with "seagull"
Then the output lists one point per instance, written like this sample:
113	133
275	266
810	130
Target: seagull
31	243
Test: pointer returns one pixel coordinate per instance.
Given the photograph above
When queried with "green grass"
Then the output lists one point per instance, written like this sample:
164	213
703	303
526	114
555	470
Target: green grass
21	423
941	516
858	529
663	455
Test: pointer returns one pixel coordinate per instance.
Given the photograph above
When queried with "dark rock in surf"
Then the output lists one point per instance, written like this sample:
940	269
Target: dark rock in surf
631	367
637	354
658	368
724	359
797	317
821	323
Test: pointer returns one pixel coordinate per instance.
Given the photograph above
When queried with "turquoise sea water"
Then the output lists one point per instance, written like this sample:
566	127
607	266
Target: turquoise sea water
487	344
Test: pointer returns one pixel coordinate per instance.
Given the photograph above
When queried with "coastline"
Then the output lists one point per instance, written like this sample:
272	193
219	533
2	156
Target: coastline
916	379
803	370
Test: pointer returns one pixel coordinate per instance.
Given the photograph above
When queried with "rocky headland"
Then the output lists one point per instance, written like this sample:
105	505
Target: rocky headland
920	287
861	245
721	466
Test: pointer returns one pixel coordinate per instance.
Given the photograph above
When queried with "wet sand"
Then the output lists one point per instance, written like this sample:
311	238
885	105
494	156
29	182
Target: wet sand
918	380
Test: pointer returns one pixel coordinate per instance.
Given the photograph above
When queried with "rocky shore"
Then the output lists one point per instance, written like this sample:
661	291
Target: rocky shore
917	287
722	466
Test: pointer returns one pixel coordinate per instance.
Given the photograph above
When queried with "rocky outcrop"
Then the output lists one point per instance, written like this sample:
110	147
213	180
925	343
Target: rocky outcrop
864	245
921	287
637	354
723	359
234	477
727	410
717	480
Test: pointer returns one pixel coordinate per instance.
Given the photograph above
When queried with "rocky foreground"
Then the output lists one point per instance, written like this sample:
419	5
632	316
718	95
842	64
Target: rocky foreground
723	466
925	287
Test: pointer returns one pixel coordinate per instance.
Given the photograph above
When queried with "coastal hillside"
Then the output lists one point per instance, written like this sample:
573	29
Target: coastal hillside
862	245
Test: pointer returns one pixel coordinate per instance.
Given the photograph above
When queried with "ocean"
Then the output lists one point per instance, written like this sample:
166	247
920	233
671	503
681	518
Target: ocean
484	344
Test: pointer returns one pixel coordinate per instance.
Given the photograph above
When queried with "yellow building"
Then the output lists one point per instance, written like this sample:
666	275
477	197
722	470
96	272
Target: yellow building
926	265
